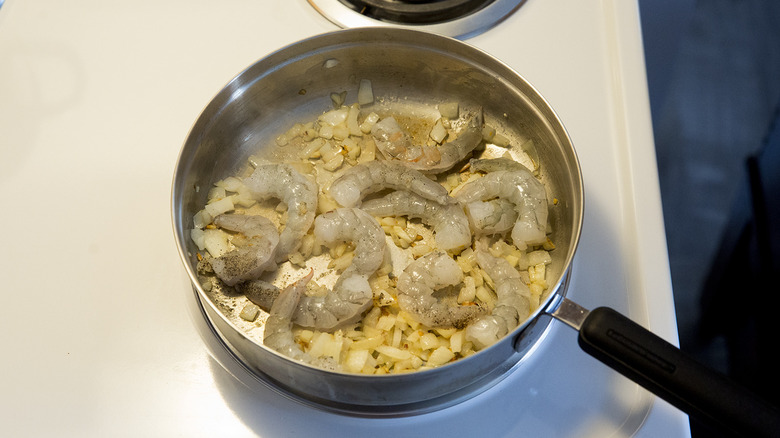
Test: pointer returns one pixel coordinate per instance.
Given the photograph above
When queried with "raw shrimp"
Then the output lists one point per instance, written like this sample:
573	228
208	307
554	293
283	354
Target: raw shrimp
297	191
521	189
250	259
512	305
449	222
494	216
391	139
351	295
488	165
396	144
259	292
278	327
373	176
418	283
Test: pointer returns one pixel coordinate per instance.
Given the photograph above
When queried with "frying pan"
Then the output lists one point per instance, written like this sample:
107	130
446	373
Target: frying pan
411	71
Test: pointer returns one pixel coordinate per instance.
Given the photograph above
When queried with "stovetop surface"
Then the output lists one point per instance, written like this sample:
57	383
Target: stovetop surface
97	101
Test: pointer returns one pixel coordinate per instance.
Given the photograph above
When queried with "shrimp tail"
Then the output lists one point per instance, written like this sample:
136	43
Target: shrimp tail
512	306
278	328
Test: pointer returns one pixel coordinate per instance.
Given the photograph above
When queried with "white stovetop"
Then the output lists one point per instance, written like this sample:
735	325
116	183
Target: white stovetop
96	99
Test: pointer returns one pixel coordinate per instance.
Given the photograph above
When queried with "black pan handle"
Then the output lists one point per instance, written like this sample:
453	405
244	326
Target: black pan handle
674	376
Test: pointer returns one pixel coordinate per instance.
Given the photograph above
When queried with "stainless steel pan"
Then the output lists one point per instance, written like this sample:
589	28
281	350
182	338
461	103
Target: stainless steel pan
413	70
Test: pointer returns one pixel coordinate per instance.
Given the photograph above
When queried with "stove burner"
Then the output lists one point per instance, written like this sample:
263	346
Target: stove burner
456	18
416	11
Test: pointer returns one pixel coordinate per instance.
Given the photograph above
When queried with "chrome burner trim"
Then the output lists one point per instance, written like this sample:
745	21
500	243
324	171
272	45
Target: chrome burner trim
462	28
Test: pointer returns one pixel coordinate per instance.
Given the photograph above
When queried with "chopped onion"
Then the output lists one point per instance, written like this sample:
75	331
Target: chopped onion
215	241
369	122
440	356
201	219
196	234
539	256
356	360
338	99
392	352
449	110
365	92
249	312
335	117
500	140
439	132
218	207
352	121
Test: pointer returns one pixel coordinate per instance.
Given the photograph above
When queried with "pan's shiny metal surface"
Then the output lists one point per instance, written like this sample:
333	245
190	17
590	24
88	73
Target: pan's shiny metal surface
408	69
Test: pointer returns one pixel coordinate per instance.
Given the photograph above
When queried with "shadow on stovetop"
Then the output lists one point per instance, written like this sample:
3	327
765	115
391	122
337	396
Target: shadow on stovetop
714	80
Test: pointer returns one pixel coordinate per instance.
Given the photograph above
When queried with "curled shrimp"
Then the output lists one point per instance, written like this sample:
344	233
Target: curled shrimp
351	295
278	327
521	189
297	191
396	144
494	216
251	258
418	283
365	178
512	305
449	222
